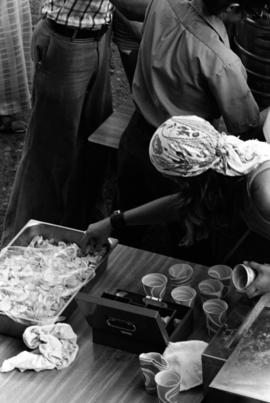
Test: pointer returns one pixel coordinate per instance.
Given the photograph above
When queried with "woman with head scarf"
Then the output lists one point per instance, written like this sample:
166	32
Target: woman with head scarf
219	176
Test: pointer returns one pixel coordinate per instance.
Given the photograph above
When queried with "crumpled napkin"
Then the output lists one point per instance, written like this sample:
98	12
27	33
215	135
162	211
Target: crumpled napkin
185	358
55	346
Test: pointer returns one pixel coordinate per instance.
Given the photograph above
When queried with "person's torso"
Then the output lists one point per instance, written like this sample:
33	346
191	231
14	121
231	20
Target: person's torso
181	50
251	214
83	14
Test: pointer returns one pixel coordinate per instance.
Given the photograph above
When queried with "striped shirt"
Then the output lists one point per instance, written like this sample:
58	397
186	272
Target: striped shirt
79	13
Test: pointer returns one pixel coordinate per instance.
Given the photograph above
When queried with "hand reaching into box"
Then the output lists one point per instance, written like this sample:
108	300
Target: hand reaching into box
96	236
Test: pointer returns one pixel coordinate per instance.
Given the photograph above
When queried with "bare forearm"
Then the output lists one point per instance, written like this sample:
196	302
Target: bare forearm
157	211
132	9
257	132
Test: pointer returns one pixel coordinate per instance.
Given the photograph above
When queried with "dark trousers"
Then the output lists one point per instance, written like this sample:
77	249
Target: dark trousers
60	175
138	180
138	183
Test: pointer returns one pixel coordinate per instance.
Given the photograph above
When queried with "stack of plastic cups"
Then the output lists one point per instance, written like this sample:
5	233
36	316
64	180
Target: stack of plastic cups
180	274
168	386
222	273
210	288
154	285
151	364
216	313
214	307
184	295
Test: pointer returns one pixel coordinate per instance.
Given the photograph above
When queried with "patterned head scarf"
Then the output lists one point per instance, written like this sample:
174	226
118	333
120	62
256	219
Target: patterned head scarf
188	146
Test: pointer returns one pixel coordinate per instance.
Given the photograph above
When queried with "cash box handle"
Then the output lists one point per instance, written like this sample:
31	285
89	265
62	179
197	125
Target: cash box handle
122	325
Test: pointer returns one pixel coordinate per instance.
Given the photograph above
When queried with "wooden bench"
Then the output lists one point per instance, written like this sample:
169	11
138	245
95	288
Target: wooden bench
110	131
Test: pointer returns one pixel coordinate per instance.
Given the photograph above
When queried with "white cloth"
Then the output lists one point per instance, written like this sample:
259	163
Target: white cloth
55	346
185	358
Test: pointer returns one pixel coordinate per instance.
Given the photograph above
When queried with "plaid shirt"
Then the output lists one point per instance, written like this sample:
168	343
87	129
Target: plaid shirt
79	13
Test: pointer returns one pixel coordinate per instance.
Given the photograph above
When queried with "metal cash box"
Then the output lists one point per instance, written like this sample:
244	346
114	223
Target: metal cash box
33	228
125	320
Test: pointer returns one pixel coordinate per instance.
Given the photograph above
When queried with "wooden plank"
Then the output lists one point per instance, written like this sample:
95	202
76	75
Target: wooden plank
109	132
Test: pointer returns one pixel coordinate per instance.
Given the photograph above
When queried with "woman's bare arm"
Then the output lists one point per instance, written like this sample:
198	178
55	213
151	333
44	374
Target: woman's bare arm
157	211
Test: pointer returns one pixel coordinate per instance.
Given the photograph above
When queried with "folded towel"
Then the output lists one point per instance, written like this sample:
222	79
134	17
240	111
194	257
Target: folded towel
185	357
55	346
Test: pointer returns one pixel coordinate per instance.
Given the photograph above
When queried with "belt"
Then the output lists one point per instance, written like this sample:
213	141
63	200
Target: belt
76	33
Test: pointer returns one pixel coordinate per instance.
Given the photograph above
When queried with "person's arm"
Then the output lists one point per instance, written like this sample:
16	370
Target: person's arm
261	132
158	211
132	9
261	284
134	27
235	100
260	191
263	115
260	197
265	122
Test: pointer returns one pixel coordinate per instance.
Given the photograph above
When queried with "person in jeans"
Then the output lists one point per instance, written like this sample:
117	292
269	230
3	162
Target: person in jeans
60	175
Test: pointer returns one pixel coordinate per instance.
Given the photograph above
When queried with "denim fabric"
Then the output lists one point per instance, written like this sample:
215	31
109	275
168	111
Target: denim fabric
60	175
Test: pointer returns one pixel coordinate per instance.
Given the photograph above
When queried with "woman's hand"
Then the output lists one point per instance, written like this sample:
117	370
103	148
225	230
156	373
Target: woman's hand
261	284
96	236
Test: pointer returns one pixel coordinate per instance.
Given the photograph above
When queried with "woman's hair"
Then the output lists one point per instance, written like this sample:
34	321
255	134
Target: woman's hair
209	202
215	7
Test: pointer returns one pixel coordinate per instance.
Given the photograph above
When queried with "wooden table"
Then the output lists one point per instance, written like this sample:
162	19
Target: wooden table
99	374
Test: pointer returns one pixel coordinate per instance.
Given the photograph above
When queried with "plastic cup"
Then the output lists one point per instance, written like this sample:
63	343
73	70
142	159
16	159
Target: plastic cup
180	274
151	364
154	285
210	288
168	386
216	312
242	276
184	295
222	273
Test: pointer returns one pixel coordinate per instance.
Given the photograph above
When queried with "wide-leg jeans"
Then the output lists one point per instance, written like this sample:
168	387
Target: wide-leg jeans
60	174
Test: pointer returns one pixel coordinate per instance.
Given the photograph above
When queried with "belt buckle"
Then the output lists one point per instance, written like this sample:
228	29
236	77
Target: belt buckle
75	33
